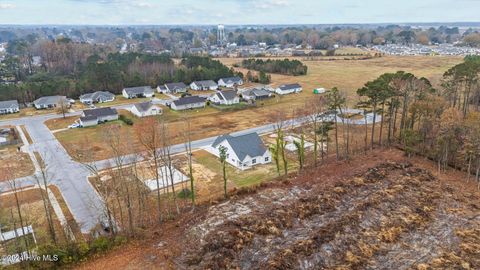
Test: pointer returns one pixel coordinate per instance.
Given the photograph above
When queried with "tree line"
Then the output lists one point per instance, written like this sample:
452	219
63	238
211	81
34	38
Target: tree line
106	72
285	66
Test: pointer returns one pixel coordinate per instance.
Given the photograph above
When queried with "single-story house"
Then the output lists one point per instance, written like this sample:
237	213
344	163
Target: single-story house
145	109
188	103
230	82
244	151
286	89
50	102
228	97
162	89
256	94
204	85
176	87
9	106
138	92
95	116
97	97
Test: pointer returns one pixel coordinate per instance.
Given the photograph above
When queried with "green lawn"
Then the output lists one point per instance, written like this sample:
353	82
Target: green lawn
250	177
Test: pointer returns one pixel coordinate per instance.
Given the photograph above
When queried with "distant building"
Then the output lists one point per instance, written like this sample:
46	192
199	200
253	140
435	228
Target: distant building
244	151
97	97
50	102
176	87
230	82
228	97
256	94
96	116
145	109
286	89
204	85
186	103
138	92
9	106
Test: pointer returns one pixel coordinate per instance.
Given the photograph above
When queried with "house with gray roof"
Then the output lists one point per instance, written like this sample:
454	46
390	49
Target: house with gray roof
97	97
176	87
145	109
256	94
227	97
9	106
50	102
138	92
94	117
186	103
243	151
204	85
230	81
286	89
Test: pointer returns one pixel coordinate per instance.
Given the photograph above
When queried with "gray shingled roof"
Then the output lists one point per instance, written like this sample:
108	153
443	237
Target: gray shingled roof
175	86
231	79
289	86
227	95
98	96
206	83
139	90
256	92
243	145
8	104
50	100
188	100
107	111
144	106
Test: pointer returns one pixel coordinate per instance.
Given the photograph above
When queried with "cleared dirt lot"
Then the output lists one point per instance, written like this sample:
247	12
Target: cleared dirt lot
375	211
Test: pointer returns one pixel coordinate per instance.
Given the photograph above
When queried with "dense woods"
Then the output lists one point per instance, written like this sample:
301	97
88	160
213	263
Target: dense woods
285	66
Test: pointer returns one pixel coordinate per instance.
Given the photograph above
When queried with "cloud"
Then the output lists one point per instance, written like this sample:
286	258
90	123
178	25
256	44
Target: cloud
6	6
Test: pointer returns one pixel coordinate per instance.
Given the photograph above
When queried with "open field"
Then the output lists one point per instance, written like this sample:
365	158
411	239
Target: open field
394	205
348	75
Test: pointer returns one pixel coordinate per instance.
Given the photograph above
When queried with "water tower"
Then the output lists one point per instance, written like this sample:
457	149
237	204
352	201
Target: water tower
221	39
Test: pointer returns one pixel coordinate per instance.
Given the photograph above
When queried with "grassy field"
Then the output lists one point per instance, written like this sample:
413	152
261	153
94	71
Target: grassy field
347	75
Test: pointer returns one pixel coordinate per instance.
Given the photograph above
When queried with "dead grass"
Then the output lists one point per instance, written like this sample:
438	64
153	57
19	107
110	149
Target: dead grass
33	213
14	164
27	135
61	123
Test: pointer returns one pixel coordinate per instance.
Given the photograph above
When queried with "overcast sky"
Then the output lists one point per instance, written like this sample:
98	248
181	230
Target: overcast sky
123	12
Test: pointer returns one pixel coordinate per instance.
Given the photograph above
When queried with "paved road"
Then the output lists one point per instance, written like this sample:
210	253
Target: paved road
71	177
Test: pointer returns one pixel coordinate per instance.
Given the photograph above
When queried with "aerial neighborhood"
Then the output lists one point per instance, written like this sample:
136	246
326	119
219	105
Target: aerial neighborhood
292	146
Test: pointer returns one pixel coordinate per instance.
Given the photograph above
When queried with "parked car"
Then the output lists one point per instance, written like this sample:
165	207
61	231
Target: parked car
92	106
74	125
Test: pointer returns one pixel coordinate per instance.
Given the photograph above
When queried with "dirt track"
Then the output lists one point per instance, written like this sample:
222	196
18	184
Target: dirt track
376	212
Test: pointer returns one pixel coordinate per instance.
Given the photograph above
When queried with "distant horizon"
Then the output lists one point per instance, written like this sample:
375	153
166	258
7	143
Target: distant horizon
452	23
233	12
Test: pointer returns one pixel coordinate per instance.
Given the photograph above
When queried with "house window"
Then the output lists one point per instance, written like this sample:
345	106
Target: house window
254	161
266	159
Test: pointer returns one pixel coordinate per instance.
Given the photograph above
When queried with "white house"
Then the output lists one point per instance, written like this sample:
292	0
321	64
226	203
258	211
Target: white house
186	103
9	106
228	97
50	102
230	82
96	116
176	87
97	97
286	89
256	94
244	151
204	85
138	92
145	109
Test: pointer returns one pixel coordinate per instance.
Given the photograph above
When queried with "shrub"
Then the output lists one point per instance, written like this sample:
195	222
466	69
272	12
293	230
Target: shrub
184	193
126	120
